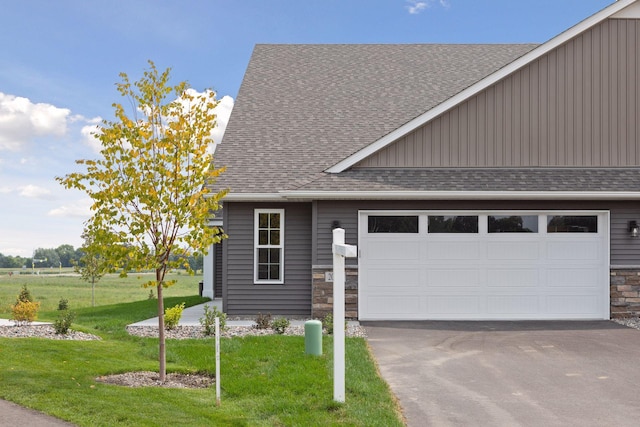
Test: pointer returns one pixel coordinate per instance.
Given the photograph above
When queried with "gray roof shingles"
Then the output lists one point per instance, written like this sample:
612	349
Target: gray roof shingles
303	108
485	179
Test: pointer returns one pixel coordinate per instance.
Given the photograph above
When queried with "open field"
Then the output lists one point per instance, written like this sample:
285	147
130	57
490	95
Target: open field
265	381
48	289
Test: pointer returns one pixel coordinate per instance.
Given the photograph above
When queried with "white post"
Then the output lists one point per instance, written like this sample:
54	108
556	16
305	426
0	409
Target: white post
217	331
338	318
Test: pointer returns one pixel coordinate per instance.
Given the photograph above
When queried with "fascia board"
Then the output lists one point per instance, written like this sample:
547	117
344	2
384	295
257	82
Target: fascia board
480	86
461	195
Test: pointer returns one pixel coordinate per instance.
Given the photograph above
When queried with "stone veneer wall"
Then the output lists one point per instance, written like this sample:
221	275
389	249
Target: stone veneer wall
625	292
322	293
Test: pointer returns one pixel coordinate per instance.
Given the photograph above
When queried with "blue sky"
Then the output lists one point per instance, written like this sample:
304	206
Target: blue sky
60	60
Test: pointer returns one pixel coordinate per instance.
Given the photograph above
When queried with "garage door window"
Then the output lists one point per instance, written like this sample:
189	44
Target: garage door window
572	224
393	224
453	224
513	223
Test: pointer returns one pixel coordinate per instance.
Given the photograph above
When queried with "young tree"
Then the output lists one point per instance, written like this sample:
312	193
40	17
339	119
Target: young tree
149	192
92	265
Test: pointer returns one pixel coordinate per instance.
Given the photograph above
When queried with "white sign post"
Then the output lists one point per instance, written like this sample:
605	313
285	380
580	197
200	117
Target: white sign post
217	331
340	251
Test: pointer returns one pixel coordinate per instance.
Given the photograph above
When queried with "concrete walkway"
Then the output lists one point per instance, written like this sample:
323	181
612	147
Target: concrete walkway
15	415
191	317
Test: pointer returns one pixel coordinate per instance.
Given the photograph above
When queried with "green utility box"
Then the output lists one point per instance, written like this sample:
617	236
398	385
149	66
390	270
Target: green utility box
313	337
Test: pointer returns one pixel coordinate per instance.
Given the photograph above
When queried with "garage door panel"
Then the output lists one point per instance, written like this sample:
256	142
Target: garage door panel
513	250
394	280
393	250
576	250
452	277
453	251
513	304
573	304
513	277
454	305
394	306
574	277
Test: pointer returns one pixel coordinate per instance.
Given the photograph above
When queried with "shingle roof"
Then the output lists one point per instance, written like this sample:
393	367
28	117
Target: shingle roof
485	179
303	108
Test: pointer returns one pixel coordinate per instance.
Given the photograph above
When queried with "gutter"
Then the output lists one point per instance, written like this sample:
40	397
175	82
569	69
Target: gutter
282	196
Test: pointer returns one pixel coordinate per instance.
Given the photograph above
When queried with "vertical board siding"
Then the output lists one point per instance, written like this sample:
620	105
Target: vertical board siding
624	250
575	106
242	296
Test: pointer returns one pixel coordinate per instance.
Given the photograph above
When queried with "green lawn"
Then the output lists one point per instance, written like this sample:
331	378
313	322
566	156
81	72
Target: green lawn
266	381
48	289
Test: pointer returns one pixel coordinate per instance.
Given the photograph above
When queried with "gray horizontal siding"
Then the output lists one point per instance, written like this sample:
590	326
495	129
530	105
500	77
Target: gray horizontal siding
624	250
242	296
575	106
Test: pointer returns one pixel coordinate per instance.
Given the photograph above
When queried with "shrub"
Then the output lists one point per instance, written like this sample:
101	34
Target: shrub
209	320
263	321
151	295
327	323
172	316
63	304
63	322
280	325
25	295
24	312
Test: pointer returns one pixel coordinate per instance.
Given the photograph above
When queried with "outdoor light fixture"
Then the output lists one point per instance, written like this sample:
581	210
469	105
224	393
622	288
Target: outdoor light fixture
634	230
335	224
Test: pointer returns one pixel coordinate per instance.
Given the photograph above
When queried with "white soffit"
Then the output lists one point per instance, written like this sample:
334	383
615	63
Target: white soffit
608	12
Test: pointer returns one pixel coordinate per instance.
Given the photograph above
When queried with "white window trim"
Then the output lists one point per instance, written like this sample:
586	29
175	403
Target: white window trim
256	246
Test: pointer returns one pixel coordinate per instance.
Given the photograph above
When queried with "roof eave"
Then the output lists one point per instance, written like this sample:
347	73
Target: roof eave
284	196
480	85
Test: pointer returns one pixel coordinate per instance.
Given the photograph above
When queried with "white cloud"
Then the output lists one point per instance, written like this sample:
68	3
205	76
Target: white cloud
21	120
89	133
80	209
223	111
34	192
415	6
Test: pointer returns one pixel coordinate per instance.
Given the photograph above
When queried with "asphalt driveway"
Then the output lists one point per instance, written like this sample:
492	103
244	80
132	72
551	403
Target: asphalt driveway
582	373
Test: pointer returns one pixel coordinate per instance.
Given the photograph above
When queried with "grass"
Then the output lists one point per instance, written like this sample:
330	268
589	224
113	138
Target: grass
48	289
266	381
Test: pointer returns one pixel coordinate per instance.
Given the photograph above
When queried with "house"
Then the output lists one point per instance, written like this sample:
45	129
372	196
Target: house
478	181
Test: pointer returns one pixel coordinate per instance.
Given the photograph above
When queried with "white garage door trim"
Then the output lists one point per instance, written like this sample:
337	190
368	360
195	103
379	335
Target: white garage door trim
483	276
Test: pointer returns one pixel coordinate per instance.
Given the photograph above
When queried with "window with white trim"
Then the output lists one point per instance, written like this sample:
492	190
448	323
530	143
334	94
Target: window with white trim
269	246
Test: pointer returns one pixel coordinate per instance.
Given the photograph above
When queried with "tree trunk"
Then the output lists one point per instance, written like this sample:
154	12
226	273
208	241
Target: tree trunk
162	352
93	291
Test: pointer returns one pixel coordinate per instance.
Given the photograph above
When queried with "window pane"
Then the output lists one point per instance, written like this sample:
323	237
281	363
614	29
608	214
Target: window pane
274	255
393	224
263	271
513	224
572	224
453	224
263	220
275	220
274	272
263	256
263	237
274	237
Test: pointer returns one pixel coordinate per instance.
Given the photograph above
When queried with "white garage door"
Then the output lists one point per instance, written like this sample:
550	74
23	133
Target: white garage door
483	265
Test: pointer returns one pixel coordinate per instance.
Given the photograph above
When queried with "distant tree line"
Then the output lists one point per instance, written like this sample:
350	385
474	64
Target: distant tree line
62	256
